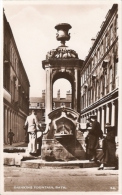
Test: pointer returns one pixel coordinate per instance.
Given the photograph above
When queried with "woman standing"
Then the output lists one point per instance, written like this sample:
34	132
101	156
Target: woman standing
107	155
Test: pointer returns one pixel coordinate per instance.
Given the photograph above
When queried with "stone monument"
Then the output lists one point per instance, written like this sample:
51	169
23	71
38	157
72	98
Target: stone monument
62	140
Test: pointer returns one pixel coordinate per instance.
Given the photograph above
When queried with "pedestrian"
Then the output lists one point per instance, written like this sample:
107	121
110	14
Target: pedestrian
94	134
86	135
31	123
107	154
10	136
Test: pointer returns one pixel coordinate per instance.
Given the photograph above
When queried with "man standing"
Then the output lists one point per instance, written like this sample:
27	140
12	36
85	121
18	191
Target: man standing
31	122
93	137
86	135
10	136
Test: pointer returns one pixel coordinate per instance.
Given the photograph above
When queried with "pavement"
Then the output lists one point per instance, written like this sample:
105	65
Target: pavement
20	144
36	175
47	179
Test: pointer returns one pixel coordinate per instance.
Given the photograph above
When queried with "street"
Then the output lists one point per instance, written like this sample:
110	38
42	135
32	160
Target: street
17	179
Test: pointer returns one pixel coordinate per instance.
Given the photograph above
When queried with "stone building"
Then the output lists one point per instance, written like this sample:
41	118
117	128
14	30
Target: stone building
15	87
99	75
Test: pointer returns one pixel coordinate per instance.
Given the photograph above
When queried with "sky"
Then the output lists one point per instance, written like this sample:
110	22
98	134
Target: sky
33	23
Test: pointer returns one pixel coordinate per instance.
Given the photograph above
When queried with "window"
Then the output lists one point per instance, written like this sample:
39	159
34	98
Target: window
98	54
83	77
84	100
116	67
53	105
95	59
87	73
92	63
110	80
11	55
117	25
70	105
96	90
62	104
105	83
42	105
106	42
116	72
111	34
37	104
81	102
101	88
89	97
13	59
7	76
102	51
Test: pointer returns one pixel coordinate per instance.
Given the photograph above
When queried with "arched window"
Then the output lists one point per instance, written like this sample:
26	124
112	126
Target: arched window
101	88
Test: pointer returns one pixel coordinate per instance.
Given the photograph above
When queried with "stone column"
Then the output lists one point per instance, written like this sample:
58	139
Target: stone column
75	88
8	123
23	129
14	127
48	102
5	125
98	115
113	114
107	113
117	121
103	118
17	127
10	120
81	120
95	112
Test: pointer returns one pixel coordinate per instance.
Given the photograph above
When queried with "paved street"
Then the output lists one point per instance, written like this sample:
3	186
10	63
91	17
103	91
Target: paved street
57	179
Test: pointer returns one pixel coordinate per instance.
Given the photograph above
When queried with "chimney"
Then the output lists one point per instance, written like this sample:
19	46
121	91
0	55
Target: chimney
68	95
92	41
43	94
58	95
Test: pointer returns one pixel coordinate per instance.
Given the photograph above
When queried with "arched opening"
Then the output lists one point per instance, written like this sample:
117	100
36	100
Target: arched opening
62	93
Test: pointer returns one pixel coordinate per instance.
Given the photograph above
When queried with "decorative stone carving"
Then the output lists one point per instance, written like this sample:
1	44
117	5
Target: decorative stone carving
62	53
63	121
62	32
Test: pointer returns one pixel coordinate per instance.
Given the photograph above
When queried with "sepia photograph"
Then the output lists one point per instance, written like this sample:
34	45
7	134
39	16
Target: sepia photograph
61	97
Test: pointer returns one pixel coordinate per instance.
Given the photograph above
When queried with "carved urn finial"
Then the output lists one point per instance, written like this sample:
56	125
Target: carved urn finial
62	32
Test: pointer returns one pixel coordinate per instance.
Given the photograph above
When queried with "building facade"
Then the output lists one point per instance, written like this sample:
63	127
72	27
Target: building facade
15	87
99	76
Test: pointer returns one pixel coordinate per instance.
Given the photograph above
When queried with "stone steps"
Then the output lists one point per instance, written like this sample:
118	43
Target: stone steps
27	161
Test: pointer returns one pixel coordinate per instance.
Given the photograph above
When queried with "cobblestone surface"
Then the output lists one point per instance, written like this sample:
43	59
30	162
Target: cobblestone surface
19	179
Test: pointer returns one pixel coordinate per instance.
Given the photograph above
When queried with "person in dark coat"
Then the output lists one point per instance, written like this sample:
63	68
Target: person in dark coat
107	155
94	134
10	136
88	127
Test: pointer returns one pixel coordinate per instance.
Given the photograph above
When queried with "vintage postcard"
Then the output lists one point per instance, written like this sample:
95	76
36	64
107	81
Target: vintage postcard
61	97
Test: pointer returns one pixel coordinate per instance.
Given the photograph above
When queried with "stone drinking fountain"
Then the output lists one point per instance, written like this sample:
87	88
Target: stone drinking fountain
62	140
